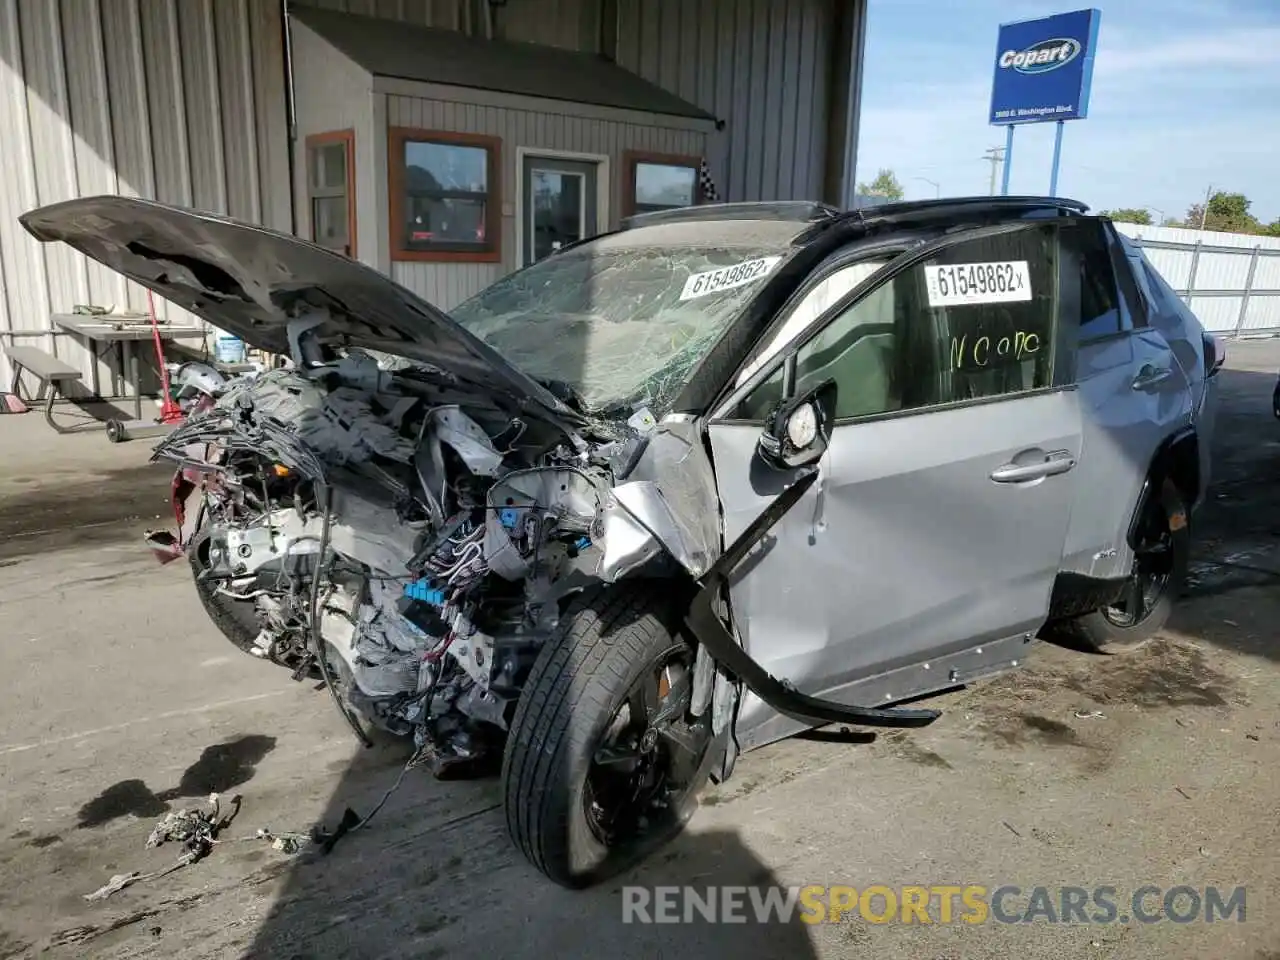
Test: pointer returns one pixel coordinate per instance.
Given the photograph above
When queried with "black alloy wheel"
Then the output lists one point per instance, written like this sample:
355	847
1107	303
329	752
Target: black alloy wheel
642	763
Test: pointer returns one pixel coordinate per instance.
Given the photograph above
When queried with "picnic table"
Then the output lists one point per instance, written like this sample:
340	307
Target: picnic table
123	332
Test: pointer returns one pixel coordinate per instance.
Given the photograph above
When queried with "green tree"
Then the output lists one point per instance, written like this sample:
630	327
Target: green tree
1272	229
1129	215
1228	213
884	185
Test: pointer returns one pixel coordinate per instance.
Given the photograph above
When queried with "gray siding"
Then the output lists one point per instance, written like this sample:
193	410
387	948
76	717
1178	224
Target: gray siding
176	100
556	128
333	93
184	101
761	66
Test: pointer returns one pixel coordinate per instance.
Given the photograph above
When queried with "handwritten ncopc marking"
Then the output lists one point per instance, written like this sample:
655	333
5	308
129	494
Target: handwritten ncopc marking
981	351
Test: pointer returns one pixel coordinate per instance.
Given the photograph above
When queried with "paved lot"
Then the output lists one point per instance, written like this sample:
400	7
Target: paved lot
118	701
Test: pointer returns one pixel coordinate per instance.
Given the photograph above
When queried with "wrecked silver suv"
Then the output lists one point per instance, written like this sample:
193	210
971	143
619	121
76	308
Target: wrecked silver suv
679	490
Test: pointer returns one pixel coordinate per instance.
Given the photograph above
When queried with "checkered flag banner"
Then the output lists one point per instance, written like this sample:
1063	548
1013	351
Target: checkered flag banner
709	194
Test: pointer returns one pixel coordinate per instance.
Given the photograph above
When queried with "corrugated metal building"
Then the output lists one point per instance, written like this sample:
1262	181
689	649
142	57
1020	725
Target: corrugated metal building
264	110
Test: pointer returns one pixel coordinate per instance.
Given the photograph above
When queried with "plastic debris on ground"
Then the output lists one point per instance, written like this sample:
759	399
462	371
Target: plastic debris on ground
197	831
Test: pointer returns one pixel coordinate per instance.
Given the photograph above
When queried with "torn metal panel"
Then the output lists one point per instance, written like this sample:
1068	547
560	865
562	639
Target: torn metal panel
453	427
671	490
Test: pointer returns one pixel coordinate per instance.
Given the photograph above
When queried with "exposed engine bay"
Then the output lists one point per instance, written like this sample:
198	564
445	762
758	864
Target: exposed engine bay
418	535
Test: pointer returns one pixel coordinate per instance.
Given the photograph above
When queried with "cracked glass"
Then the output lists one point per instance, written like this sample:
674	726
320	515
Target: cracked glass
613	319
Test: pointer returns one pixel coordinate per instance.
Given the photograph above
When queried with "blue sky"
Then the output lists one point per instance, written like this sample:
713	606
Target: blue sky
1186	93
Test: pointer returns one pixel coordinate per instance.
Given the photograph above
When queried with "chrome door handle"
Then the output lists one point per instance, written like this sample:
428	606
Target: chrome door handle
1149	376
1059	461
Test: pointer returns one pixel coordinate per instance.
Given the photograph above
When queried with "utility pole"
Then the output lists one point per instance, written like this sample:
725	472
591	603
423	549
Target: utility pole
1204	211
937	187
996	156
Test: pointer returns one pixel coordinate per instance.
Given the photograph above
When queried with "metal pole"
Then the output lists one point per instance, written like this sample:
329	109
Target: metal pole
1248	286
994	155
1008	160
1191	276
1204	211
1057	157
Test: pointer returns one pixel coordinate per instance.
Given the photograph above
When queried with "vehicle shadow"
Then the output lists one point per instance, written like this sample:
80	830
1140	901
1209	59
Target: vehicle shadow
436	876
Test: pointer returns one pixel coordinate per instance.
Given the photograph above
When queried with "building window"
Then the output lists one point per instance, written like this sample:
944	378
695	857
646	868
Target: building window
444	196
657	181
331	190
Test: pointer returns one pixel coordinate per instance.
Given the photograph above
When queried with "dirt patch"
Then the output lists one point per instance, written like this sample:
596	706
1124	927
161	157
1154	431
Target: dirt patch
69	509
123	799
223	766
12	946
1162	675
904	747
219	768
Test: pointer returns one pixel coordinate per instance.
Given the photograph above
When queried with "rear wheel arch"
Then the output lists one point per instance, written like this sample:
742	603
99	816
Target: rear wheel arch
1177	459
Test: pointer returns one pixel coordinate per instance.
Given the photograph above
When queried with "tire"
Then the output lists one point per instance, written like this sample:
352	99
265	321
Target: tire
236	619
1099	632
606	644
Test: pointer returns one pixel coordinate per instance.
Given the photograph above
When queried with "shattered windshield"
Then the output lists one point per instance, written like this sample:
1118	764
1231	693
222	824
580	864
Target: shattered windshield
622	321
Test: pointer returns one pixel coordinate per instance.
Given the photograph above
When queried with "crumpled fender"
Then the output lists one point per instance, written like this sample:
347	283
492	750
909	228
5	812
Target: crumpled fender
667	502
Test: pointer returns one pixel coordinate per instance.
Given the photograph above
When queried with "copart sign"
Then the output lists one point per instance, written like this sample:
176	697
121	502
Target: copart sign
1044	68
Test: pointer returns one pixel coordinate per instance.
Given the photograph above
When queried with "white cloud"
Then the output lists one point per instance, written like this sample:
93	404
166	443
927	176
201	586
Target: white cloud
1124	53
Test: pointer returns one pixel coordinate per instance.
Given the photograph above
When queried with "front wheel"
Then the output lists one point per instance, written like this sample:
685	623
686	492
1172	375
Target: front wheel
603	762
235	619
1155	580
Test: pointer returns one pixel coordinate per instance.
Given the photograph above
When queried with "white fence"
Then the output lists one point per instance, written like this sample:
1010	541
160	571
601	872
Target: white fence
1230	280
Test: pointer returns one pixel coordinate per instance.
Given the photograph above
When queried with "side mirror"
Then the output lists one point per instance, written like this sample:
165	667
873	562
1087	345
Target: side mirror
798	432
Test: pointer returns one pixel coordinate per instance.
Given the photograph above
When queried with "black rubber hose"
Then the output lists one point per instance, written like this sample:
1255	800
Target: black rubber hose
317	642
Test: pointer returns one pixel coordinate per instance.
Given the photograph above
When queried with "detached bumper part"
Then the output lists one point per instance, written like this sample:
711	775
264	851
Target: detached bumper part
710	630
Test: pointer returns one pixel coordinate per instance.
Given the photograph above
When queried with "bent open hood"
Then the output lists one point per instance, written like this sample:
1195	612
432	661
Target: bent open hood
251	281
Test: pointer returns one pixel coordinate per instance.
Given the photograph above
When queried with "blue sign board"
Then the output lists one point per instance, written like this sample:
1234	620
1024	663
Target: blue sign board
1044	68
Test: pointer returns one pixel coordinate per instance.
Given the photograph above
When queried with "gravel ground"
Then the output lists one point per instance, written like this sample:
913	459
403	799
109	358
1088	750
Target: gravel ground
119	702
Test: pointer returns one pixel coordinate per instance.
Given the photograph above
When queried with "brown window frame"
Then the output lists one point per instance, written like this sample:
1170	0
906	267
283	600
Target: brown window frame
632	158
347	137
397	137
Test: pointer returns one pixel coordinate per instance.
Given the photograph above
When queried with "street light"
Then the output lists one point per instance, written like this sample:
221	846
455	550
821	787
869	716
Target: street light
937	190
1159	211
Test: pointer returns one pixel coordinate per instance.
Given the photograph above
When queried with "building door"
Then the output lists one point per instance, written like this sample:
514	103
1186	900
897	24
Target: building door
559	204
331	190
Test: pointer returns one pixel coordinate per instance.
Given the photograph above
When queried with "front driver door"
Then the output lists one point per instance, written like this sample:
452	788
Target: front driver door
938	521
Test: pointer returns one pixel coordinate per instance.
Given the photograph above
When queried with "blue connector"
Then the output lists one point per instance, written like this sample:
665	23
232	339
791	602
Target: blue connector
423	591
509	517
583	543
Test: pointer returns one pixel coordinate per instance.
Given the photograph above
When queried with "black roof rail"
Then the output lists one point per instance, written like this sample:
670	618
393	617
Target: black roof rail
965	207
798	211
955	209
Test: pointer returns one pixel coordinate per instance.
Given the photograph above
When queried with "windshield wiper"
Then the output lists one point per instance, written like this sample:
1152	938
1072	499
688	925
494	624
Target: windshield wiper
563	392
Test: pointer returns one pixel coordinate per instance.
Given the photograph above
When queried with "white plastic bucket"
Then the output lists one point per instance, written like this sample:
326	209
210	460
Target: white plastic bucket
228	349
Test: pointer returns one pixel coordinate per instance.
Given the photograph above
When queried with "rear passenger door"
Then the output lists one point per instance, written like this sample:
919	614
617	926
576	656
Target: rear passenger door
1133	391
938	520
